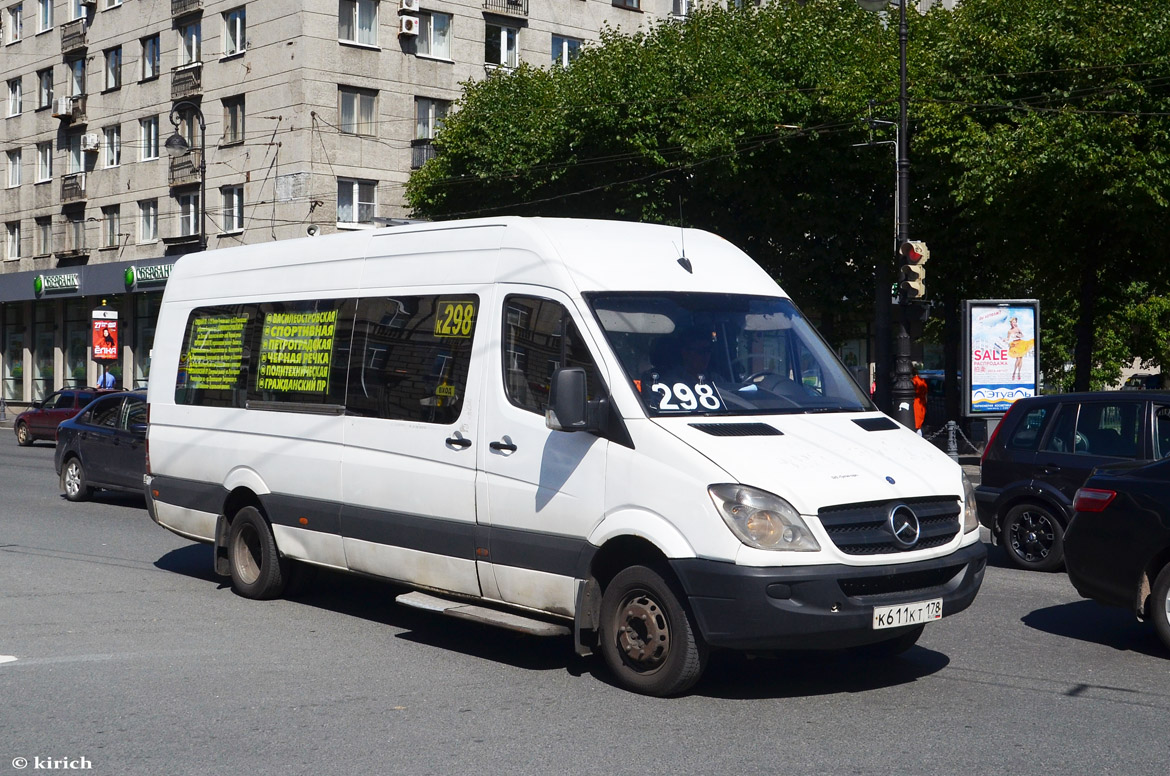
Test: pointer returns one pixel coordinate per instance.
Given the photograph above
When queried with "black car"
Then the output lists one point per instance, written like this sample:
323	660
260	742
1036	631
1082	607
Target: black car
1045	447
104	446
1117	548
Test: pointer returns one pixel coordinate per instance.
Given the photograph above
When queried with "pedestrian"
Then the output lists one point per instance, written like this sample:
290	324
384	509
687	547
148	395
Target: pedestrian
106	380
920	391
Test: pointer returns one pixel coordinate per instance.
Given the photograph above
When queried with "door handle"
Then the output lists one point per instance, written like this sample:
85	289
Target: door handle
503	446
459	442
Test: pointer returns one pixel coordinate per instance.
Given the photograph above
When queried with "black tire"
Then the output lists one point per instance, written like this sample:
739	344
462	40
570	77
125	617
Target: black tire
1033	538
891	647
648	638
1160	605
73	481
23	435
257	569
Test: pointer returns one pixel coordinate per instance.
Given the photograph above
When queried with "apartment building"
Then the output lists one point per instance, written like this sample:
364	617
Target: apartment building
133	131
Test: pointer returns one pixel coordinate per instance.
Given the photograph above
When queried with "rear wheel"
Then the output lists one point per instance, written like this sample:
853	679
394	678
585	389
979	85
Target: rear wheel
1160	606
257	569
23	435
648	638
73	481
1033	538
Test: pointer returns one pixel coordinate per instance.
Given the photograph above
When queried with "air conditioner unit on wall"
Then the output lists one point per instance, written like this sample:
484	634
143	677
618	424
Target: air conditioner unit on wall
408	25
409	6
89	141
63	106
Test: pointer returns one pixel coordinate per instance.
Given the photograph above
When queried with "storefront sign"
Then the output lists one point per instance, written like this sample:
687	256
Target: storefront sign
105	334
1002	354
154	273
65	281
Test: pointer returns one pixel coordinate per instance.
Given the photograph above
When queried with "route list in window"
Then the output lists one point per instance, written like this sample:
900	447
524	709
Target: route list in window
296	351
216	354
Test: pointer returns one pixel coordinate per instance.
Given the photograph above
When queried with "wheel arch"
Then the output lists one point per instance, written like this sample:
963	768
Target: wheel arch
1159	561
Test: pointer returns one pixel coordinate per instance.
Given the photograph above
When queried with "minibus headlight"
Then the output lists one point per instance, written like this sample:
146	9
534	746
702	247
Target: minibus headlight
762	520
970	514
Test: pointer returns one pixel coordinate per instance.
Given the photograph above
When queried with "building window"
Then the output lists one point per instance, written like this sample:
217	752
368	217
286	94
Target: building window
434	35
15	97
357	21
13	240
14	29
75	158
633	5
233	208
44	15
151	58
113	3
233	120
234	41
148	137
357	108
76	76
147	220
500	46
190	44
113	138
111	226
564	50
356	201
45	88
428	117
44	161
75	232
114	68
682	8
44	236
13	168
188	214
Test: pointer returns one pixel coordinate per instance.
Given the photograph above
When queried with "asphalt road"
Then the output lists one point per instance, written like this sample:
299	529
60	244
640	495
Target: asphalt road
130	654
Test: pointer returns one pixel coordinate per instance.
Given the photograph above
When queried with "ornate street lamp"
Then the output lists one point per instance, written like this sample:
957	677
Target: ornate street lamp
177	146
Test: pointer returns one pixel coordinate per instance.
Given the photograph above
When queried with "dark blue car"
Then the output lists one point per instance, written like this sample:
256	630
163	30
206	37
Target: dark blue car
104	446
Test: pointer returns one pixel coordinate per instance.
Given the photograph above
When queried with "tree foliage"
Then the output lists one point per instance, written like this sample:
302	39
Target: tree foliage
1039	156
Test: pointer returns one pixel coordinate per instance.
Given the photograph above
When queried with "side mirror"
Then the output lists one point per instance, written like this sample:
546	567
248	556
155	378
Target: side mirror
568	406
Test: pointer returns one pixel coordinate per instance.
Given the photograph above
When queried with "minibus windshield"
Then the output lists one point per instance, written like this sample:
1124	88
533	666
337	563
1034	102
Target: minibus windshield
723	354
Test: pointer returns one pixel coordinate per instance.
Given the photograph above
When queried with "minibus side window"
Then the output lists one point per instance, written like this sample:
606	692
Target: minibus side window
540	337
300	354
213	364
410	357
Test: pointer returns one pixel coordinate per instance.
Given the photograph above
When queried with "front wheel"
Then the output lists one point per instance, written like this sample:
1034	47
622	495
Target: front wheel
1033	538
648	639
257	569
1160	606
23	435
73	481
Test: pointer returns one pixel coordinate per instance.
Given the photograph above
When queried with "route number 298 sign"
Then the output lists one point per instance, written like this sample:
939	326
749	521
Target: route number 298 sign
680	397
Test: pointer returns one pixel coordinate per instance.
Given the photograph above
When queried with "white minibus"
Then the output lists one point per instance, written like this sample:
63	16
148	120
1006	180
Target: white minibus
623	433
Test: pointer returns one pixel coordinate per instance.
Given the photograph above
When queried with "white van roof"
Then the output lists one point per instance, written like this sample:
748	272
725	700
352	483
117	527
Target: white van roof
571	254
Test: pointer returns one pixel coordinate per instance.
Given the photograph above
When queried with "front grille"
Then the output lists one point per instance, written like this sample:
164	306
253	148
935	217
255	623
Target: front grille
917	582
863	529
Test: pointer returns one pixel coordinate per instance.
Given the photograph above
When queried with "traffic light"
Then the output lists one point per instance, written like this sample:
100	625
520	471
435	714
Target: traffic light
912	278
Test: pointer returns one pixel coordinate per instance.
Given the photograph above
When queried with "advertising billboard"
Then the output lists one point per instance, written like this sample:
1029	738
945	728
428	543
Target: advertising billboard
1001	354
105	335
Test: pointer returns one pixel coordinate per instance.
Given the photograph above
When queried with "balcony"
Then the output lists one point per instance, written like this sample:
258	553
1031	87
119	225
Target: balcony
185	168
184	7
187	81
507	7
421	152
70	110
73	187
73	36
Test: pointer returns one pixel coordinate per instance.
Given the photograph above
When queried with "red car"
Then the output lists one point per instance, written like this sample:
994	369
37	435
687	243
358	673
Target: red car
40	421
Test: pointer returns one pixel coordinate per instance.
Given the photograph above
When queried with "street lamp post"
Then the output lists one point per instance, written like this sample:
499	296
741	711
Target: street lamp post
177	146
902	395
